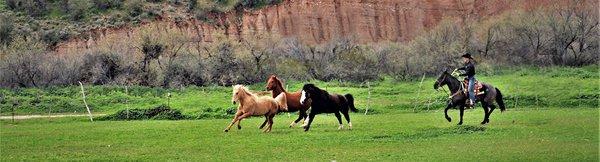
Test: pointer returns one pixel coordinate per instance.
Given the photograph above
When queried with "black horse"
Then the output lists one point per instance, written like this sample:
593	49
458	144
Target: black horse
459	97
323	102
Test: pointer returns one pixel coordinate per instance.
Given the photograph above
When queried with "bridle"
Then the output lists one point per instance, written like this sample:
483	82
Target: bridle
438	83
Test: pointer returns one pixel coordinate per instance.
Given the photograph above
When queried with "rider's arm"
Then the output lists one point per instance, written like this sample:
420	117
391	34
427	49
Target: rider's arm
469	70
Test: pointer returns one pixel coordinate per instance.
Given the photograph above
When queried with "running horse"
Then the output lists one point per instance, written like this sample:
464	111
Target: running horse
459	96
293	98
252	105
324	102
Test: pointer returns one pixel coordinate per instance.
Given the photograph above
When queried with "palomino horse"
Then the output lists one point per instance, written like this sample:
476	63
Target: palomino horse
293	98
252	105
459	97
323	102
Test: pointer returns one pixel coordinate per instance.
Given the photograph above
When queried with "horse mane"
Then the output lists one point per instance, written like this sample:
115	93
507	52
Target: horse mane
323	94
245	89
451	79
278	82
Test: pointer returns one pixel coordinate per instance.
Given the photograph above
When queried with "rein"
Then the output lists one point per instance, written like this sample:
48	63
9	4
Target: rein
439	83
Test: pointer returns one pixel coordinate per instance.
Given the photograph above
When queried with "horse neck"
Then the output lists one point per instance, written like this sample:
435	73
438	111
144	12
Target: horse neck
278	89
453	84
247	98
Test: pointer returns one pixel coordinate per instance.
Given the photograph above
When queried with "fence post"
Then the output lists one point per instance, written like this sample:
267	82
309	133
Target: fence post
516	98
15	104
419	94
368	98
85	102
127	102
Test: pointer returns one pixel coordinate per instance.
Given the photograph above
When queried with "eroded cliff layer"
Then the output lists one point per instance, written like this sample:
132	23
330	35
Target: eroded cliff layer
317	21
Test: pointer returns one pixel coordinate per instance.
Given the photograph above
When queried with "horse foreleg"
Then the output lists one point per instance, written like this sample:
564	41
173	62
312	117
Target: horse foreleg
238	118
301	115
235	119
311	117
446	112
462	111
238	124
339	118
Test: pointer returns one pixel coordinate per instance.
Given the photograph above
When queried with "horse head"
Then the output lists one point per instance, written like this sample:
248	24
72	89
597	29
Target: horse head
238	92
272	83
308	91
441	80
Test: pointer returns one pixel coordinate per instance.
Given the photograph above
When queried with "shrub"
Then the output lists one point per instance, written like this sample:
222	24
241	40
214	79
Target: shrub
161	112
101	67
223	65
22	65
6	29
107	4
78	8
134	7
34	8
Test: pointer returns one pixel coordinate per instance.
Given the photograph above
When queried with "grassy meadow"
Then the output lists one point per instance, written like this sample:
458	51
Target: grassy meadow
552	115
553	134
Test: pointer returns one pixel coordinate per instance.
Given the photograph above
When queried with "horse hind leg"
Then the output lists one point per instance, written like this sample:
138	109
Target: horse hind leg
270	126
486	114
347	116
492	107
339	118
264	123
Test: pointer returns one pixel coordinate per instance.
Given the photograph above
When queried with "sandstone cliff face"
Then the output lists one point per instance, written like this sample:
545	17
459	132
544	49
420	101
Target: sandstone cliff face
317	21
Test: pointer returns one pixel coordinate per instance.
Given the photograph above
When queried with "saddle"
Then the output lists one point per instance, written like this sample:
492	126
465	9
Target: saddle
478	89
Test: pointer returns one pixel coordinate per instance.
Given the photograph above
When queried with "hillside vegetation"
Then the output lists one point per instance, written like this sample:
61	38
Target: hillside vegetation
56	21
169	57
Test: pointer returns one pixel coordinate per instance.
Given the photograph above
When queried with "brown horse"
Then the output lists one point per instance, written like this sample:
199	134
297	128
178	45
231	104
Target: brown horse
293	99
252	105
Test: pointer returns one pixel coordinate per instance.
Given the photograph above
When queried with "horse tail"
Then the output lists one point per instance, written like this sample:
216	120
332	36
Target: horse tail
499	100
351	102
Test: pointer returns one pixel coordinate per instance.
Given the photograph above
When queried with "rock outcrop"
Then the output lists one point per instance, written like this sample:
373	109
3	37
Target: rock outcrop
317	21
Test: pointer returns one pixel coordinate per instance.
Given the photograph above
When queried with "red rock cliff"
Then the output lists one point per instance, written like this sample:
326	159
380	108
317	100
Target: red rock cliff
317	21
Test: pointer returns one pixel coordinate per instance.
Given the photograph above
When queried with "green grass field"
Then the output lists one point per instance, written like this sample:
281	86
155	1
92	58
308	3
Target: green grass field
551	134
552	115
522	87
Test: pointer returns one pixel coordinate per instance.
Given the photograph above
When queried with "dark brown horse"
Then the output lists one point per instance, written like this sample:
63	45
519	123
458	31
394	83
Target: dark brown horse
323	102
458	97
293	99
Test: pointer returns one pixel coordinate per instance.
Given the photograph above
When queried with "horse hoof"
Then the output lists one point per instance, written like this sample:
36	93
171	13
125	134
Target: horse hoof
449	120
459	123
239	127
226	130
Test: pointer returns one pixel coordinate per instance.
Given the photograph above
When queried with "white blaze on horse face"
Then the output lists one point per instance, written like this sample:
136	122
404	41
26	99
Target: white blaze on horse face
303	97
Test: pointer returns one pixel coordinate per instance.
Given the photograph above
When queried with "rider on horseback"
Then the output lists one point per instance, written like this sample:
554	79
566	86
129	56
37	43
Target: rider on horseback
469	72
